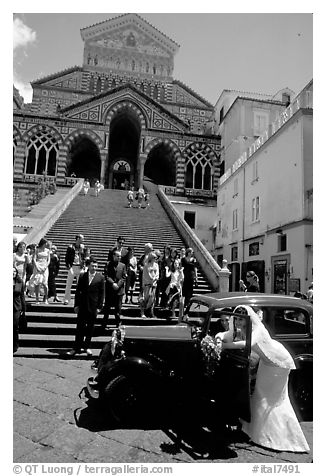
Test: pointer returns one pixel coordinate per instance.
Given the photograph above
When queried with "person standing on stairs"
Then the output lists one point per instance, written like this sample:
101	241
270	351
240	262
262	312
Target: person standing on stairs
150	277
74	259
86	186
148	248
54	267
115	275
130	261
118	247
130	198
89	299
189	265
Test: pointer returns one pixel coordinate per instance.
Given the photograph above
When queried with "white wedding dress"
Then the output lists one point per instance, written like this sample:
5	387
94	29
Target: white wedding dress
273	421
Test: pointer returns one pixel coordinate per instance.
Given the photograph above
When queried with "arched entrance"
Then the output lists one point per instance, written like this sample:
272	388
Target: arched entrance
123	149
160	165
84	160
121	174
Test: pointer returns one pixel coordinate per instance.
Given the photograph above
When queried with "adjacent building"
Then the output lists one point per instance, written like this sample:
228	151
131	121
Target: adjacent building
264	199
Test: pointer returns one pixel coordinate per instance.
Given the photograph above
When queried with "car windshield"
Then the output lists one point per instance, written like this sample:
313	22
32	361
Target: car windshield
196	314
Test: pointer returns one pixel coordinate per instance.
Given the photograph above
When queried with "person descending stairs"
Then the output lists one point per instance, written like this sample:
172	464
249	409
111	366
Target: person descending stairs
100	220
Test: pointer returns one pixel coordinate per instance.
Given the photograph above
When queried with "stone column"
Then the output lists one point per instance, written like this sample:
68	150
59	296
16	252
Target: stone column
19	162
104	154
62	164
142	160
224	275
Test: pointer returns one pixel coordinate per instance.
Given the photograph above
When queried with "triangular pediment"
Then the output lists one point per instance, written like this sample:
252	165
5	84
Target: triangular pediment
129	32
96	109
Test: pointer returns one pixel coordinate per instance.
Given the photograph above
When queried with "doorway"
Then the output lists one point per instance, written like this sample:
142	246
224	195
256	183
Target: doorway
84	160
123	149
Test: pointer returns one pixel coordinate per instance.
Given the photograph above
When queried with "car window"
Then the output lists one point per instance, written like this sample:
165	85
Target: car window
290	321
196	313
219	321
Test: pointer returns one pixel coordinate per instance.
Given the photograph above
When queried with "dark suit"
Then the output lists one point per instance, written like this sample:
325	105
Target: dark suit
114	272
88	298
18	308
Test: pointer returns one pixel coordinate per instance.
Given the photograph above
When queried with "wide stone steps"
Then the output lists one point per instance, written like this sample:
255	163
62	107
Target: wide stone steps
51	328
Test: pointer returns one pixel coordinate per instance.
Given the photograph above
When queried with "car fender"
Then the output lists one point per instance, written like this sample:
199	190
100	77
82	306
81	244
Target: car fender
133	366
304	362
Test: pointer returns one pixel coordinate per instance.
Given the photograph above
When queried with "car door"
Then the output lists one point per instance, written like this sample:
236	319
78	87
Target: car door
235	377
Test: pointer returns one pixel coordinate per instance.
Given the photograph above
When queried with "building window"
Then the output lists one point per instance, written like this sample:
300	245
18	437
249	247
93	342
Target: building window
282	242
235	219
254	249
235	187
234	253
255	209
219	260
199	170
286	98
190	218
260	122
98	85
255	171
221	114
42	154
219	226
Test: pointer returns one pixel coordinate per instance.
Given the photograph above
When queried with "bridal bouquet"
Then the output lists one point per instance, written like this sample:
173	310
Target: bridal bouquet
211	348
118	336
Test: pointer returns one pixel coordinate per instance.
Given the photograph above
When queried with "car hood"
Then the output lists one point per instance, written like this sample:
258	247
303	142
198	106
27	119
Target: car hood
169	332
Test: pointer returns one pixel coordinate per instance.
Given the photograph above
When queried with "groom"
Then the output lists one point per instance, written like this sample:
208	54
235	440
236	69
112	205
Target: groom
89	298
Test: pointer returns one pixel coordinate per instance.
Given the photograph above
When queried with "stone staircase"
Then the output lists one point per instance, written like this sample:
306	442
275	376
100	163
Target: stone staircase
101	220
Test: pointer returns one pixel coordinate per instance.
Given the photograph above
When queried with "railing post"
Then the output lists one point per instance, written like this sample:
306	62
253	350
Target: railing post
224	276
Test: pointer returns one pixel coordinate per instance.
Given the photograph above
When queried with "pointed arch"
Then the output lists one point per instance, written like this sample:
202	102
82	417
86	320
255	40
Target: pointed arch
129	107
87	133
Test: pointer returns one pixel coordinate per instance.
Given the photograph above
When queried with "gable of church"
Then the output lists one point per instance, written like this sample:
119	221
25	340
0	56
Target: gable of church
69	79
128	43
97	109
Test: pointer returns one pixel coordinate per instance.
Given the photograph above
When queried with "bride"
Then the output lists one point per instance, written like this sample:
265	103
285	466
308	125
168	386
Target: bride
273	421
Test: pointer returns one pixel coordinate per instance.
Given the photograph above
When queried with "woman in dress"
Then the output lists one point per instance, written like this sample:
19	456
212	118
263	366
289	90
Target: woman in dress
86	186
21	260
273	421
149	282
174	289
41	269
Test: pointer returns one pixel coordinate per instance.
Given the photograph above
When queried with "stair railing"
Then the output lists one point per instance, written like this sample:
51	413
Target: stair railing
218	277
42	227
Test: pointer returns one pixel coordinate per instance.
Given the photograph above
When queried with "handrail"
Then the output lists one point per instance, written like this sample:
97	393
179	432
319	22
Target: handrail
207	263
46	222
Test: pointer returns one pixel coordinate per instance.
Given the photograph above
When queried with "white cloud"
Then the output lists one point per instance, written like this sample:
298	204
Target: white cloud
25	89
23	34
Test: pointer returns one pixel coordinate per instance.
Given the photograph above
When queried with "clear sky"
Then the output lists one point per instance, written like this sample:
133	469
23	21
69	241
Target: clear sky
254	52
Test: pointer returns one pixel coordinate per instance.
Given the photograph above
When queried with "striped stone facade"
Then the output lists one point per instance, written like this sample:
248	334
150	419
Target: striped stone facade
84	102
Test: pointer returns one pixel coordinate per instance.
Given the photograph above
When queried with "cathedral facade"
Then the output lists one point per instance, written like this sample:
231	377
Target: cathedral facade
118	117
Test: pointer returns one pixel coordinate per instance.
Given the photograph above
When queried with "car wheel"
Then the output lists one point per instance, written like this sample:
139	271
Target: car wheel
301	394
122	399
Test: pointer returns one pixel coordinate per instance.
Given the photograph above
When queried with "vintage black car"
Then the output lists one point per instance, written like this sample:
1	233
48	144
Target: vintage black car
160	370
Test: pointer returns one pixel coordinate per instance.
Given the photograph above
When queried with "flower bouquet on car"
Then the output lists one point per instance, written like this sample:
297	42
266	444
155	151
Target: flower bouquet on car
211	348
